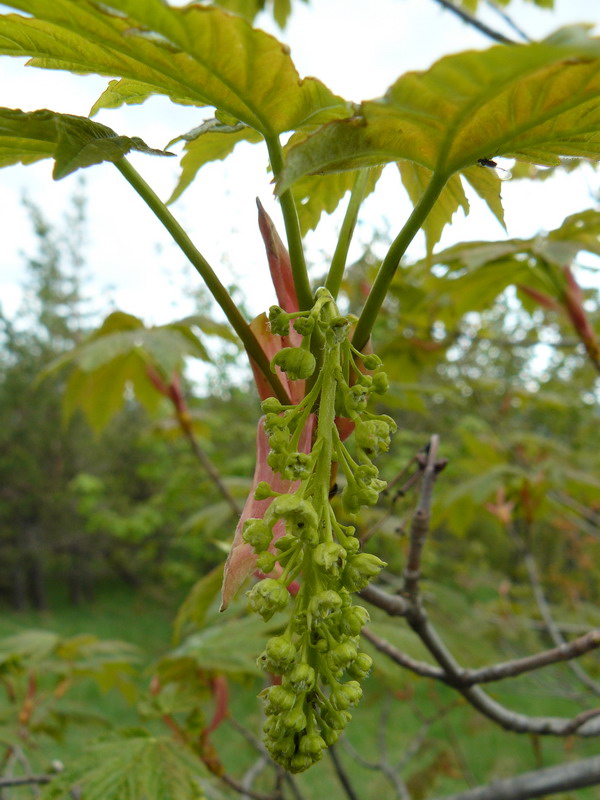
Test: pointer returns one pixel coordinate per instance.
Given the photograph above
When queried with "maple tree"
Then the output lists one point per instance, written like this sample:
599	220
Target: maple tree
315	370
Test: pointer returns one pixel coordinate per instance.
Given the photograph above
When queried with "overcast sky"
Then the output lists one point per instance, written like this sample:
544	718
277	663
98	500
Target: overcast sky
358	49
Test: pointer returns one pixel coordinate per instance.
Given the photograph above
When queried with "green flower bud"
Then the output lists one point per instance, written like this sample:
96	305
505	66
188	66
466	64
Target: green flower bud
299	515
267	597
323	604
282	748
263	491
276	461
373	436
330	557
346	695
274	422
257	534
266	562
278	699
272	727
297	363
279	321
361	667
342	656
337	719
304	325
330	735
295	720
279	441
271	405
300	762
372	361
356	399
321	645
312	744
278	656
297	466
353	620
380	383
302	678
360	569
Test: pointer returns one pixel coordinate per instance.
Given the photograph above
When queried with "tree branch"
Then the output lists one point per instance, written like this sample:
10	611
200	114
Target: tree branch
341	773
418	667
420	523
25	781
469	19
541	782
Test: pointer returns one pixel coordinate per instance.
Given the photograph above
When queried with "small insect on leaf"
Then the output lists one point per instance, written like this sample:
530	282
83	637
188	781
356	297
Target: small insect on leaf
503	174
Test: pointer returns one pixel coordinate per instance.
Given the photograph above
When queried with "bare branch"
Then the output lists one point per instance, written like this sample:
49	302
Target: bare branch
552	780
475	23
26	780
508	20
509	669
341	773
393	605
420	522
390	773
419	667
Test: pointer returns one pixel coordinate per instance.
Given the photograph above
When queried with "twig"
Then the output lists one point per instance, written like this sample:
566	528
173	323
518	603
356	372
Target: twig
551	627
341	773
240	789
584	724
252	774
212	471
389	771
541	782
475	23
418	667
563	652
259	747
393	605
420	523
508	20
24	781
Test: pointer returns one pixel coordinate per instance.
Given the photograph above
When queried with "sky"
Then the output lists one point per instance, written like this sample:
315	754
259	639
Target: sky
358	49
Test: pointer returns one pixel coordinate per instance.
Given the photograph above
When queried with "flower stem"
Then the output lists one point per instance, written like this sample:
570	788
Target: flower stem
338	262
206	272
390	263
292	229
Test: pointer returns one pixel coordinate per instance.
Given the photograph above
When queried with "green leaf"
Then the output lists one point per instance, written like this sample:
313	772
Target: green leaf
211	327
212	648
415	179
211	141
195	606
130	768
124	92
198	55
315	194
486	184
73	142
540	103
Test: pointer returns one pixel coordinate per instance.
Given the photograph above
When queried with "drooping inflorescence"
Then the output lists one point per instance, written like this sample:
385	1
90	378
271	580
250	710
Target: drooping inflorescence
317	655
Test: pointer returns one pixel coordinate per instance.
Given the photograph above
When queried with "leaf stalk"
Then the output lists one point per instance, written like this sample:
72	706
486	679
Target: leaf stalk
206	272
338	262
390	263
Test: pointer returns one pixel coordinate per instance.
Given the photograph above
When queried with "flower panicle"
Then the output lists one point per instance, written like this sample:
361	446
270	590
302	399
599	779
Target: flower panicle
317	655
